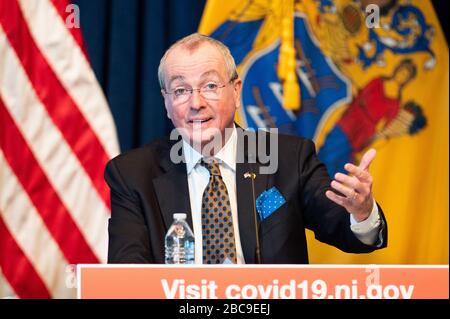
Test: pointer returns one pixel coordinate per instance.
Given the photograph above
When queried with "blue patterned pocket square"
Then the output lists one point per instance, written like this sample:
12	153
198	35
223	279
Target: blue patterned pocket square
268	202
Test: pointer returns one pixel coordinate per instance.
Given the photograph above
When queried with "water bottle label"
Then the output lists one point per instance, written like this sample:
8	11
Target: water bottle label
179	230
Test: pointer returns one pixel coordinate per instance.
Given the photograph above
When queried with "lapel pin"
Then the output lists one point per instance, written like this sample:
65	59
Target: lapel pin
249	175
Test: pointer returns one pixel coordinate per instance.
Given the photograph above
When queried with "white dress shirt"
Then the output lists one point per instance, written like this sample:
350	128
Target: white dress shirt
198	178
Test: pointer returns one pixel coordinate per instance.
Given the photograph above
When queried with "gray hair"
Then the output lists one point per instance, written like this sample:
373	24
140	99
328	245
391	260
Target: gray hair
191	43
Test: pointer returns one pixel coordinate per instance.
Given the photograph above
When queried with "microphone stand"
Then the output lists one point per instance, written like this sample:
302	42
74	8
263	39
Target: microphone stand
252	176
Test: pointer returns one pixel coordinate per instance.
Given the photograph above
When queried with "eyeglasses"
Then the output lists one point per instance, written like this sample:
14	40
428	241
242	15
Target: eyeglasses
209	91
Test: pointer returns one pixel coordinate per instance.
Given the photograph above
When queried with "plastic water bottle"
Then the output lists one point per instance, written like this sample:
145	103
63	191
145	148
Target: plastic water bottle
179	242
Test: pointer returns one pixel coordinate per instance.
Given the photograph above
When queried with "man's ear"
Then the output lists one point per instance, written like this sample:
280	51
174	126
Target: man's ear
237	92
167	112
165	104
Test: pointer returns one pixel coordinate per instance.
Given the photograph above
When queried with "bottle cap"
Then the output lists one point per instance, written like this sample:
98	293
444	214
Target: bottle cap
179	216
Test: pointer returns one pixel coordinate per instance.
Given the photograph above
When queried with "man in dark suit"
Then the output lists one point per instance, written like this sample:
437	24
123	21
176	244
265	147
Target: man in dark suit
211	184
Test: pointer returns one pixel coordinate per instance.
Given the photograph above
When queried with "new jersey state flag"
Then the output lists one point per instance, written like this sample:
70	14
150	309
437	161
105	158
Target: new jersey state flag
350	76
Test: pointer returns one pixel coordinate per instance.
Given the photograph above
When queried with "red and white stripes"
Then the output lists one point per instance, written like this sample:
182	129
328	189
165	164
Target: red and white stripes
56	135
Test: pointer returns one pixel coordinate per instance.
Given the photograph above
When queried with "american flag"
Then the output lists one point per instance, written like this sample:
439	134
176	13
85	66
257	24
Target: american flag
56	135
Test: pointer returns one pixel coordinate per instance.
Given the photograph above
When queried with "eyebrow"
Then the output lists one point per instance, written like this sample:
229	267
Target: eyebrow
176	77
204	75
210	72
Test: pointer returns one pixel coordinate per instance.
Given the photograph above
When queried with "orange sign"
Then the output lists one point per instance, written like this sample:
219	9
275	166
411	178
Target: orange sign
263	282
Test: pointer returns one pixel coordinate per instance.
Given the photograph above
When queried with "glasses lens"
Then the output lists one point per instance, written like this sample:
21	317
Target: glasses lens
207	92
210	95
182	98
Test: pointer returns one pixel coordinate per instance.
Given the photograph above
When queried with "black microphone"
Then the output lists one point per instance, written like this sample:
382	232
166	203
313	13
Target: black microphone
252	175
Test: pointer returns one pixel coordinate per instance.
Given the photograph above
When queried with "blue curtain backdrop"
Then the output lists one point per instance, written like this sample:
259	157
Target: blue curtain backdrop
125	40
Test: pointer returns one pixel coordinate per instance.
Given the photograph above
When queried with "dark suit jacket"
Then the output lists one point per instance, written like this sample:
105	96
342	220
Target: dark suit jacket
147	188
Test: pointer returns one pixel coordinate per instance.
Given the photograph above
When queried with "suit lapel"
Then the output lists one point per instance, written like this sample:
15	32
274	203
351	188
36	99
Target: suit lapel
245	200
172	190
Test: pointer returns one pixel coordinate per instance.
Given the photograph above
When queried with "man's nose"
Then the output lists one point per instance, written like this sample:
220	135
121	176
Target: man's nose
197	100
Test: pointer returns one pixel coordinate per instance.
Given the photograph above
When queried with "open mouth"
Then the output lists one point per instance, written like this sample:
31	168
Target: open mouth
200	121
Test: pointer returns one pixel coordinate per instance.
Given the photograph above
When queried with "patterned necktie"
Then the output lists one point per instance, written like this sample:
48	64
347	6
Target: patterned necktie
217	220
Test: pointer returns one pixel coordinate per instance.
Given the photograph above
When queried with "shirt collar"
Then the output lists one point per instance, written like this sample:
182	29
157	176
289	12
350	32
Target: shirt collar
226	155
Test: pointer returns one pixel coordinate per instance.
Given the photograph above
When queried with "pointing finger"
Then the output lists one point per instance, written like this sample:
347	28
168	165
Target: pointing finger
367	159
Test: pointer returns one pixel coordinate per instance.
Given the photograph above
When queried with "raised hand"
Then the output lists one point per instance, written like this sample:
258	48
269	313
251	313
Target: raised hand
356	188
